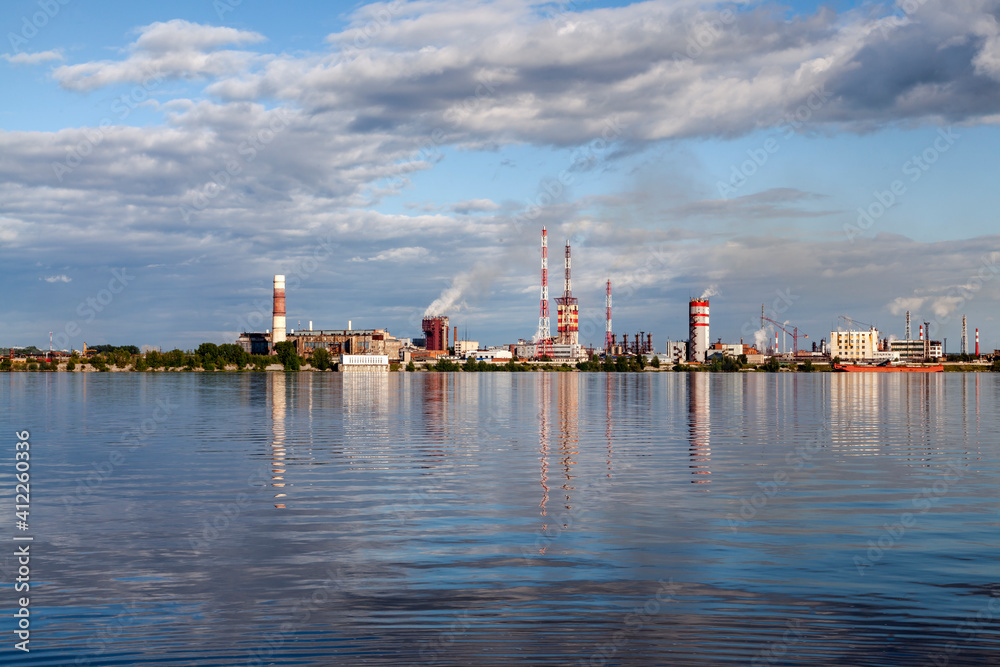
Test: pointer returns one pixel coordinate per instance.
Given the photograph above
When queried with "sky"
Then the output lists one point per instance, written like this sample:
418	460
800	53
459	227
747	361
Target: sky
160	162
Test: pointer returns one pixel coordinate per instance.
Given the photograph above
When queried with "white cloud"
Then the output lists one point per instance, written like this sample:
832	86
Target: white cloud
175	49
409	254
61	278
32	58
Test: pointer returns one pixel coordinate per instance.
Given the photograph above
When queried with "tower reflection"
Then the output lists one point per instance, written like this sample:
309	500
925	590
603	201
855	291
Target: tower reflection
278	451
699	426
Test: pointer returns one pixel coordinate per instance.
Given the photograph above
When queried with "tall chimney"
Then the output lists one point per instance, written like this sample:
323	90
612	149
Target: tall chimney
977	342
278	319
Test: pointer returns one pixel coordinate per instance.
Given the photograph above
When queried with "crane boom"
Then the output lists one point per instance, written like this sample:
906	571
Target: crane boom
794	333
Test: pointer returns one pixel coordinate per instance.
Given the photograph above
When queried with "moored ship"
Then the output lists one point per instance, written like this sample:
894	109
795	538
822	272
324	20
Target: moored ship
904	368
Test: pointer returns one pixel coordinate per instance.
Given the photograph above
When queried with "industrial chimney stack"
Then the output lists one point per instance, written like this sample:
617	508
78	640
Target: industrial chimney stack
278	318
698	330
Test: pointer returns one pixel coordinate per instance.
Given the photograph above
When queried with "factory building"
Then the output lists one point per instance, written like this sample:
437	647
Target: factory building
913	350
676	351
556	351
255	343
698	329
435	333
346	342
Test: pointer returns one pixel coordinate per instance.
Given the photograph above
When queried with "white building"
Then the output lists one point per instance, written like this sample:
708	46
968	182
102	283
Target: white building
558	351
363	363
913	350
854	345
493	354
676	351
463	348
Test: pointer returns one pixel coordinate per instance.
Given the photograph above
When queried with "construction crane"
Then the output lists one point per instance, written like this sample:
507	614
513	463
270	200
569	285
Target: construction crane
850	321
794	333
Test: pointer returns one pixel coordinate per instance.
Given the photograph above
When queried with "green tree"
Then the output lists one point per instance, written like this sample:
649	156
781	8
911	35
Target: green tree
140	364
230	353
807	367
287	357
71	365
471	365
208	352
771	365
320	359
655	362
410	367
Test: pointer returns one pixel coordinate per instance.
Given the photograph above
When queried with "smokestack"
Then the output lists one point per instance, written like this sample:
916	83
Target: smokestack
349	328
921	332
310	325
278	317
977	342
698	329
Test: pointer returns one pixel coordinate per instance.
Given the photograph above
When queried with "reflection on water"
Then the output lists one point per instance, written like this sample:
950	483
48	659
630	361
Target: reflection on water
567	387
699	426
277	394
397	519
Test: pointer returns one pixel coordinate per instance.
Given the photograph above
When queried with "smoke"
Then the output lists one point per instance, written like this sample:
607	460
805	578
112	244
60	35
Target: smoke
760	340
712	290
476	280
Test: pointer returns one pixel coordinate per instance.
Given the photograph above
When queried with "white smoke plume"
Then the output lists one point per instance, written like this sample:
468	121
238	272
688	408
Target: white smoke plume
452	298
712	290
760	340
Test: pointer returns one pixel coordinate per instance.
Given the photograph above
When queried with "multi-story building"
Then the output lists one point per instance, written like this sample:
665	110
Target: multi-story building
463	348
913	350
854	345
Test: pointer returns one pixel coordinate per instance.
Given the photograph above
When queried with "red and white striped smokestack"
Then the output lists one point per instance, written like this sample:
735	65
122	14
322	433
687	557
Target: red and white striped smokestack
921	332
278	317
977	341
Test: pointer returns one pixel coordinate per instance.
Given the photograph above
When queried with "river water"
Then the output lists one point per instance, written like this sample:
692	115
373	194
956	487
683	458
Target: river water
502	518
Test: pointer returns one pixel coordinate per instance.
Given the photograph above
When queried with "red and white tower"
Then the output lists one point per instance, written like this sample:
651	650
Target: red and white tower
544	336
568	310
608	336
278	314
977	342
698	330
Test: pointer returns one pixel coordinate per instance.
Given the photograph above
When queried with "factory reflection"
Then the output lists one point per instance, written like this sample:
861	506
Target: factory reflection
699	426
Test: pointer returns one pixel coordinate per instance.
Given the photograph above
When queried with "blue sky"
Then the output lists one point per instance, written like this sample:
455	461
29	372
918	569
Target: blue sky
389	156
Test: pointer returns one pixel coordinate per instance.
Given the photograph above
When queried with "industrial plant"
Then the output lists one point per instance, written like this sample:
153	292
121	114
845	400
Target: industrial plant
375	349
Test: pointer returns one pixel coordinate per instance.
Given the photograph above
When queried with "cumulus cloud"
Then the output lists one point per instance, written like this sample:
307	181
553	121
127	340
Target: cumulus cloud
61	278
174	49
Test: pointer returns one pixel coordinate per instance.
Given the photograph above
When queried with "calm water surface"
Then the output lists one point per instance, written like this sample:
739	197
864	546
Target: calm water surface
582	519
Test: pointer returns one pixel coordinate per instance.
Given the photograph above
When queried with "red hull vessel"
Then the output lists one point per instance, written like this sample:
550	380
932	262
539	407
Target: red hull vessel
852	368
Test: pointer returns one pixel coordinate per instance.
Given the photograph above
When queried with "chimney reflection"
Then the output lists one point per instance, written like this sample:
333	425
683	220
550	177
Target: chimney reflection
543	439
699	423
607	420
568	386
278	451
